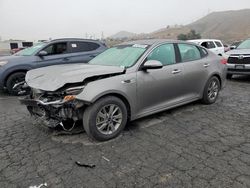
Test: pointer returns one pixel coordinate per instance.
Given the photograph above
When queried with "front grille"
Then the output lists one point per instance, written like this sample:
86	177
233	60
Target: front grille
239	59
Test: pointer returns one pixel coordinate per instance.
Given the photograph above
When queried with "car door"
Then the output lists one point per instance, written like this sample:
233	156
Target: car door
157	89
195	69
83	51
220	48
57	53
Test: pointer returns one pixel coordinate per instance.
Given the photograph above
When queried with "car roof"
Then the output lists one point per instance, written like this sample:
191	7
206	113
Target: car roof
74	39
203	40
153	41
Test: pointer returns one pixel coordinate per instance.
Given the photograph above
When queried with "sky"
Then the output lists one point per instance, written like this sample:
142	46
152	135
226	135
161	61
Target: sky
44	19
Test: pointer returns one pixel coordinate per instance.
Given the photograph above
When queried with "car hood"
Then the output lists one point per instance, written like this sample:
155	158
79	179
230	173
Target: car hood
54	77
16	59
239	51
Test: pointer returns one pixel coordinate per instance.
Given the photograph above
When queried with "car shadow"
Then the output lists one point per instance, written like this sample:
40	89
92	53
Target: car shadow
244	78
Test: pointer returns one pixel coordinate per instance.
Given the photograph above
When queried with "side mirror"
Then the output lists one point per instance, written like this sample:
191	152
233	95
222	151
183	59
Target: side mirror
232	47
152	64
42	53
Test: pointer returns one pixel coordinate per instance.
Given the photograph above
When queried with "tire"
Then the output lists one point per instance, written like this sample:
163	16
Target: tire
229	76
93	118
12	80
211	91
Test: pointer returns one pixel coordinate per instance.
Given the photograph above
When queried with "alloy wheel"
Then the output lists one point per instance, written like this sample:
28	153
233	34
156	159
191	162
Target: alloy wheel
109	119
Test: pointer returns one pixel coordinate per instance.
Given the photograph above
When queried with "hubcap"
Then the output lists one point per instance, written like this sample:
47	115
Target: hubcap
109	119
213	90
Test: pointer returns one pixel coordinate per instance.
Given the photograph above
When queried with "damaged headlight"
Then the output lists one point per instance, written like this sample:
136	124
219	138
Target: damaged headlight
74	90
2	63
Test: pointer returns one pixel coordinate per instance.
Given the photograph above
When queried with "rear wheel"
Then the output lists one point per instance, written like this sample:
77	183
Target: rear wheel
211	91
105	119
14	79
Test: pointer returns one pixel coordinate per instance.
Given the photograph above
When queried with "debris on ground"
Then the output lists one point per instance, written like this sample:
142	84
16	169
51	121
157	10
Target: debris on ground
85	165
39	186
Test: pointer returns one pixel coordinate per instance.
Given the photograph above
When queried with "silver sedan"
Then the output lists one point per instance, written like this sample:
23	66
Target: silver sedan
124	83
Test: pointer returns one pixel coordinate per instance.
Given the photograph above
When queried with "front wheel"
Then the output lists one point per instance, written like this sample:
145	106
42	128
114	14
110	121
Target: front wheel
211	91
105	119
14	79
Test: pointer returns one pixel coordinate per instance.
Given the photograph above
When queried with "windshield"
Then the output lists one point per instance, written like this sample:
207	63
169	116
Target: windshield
31	51
244	45
122	56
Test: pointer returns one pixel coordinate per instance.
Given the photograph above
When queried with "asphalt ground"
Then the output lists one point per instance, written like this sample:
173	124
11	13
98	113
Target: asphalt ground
191	146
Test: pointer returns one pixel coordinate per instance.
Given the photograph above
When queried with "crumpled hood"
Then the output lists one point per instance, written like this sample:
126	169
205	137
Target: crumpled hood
54	77
239	51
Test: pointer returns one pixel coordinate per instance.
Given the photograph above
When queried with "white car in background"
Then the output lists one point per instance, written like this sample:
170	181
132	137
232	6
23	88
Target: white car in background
213	45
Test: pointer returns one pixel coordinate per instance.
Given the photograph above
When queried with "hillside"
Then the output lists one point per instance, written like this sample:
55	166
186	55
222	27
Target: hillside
228	26
123	35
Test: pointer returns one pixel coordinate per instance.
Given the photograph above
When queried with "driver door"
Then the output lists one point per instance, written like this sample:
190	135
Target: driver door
57	53
160	88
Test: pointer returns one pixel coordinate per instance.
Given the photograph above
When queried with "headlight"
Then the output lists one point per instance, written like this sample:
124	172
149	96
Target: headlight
2	63
74	90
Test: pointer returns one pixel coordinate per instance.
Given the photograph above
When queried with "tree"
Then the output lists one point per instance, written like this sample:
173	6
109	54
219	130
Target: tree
189	36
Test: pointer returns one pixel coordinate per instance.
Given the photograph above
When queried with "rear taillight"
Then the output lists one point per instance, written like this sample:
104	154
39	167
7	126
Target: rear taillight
223	61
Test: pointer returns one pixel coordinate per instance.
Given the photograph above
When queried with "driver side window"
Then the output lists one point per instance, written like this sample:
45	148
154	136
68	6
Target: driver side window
56	49
164	53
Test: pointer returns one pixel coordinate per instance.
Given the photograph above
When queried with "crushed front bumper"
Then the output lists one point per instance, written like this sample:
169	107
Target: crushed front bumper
54	113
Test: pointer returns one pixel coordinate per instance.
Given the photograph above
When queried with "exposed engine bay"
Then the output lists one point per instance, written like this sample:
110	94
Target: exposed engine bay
60	107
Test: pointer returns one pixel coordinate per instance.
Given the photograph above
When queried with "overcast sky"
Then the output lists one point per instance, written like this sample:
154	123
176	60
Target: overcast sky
42	19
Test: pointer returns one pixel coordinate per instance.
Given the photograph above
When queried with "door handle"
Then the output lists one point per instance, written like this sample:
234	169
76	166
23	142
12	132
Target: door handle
206	65
176	71
93	56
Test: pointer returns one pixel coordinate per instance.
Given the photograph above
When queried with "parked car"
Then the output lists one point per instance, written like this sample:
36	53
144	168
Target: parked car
239	60
213	45
226	48
124	83
15	50
61	51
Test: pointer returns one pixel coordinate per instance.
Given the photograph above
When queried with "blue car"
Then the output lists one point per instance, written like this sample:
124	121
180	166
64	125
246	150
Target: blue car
61	51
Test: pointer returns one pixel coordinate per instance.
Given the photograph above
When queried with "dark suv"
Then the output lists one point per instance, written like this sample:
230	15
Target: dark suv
61	51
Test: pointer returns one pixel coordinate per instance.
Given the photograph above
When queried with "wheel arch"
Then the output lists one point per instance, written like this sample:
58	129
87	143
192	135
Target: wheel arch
121	97
219	78
12	72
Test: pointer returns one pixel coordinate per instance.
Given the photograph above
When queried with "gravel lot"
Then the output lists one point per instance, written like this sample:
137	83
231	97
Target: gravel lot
191	146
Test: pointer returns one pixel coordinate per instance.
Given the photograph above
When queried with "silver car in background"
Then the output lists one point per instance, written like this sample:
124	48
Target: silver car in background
124	83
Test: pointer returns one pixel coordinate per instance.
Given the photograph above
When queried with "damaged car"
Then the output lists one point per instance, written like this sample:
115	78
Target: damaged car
124	83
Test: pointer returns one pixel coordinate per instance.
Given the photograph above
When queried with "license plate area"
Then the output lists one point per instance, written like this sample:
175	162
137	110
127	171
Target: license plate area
239	66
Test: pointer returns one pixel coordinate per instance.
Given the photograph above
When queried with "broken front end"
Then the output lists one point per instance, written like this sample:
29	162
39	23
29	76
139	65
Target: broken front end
55	108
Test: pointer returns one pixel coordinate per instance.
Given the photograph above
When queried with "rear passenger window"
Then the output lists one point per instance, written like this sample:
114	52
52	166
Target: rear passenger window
164	53
203	52
189	52
218	44
82	46
208	45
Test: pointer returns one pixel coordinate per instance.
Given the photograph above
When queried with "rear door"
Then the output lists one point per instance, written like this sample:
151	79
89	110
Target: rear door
160	88
220	47
83	51
195	69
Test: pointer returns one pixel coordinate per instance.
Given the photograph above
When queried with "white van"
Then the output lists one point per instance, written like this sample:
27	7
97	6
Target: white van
213	45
